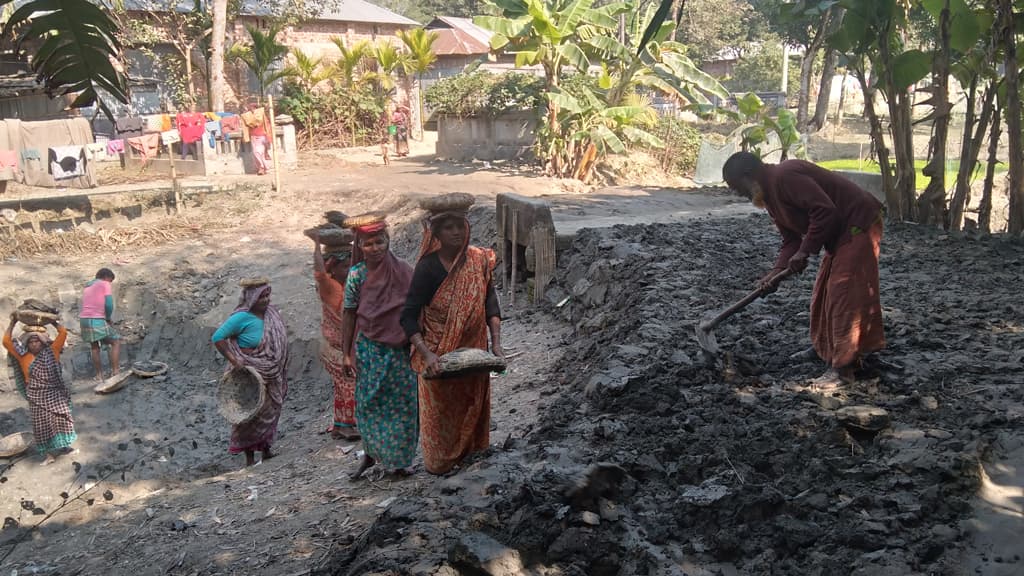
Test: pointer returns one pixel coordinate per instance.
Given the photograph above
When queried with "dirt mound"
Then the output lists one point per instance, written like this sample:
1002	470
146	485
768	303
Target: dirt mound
740	468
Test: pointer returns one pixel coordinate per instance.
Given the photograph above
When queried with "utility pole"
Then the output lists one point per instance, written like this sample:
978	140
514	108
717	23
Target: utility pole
785	68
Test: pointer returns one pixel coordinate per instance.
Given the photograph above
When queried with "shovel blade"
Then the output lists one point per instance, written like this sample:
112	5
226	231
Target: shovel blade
706	339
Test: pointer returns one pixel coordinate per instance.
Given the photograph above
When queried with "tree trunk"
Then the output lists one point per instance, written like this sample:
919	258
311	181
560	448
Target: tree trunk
1015	224
985	206
969	152
931	205
807	68
902	136
828	72
878	139
220	25
842	99
188	79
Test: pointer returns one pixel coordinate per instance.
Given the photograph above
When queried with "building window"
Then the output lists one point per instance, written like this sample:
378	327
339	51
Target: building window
376	30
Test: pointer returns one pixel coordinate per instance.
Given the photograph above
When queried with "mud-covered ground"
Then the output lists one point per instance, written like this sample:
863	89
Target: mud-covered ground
739	467
615	448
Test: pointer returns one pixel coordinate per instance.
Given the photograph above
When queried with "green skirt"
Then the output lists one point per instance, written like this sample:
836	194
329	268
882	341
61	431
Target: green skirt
97	330
387	405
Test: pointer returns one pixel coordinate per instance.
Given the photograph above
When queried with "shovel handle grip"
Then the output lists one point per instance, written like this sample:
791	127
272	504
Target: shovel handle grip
760	292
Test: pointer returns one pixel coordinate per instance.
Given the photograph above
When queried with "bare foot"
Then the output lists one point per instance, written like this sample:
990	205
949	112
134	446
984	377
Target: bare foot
403	472
250	458
350	433
365	464
833	379
50	459
267	454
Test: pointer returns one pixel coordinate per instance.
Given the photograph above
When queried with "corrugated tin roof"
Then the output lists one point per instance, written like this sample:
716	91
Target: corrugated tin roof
459	36
362	11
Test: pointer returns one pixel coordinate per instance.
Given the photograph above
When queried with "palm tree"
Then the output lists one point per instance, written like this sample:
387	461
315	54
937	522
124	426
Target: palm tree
307	70
420	44
261	56
352	58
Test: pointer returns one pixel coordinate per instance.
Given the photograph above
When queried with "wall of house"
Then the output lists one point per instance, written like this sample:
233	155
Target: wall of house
505	137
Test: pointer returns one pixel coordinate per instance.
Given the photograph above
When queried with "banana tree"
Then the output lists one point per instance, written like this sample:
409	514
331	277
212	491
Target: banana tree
78	51
420	44
261	56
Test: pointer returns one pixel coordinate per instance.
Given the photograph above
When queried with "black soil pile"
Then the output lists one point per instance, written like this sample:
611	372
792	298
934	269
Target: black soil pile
651	460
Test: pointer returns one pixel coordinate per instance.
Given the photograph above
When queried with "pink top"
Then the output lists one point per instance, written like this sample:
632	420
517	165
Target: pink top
94	299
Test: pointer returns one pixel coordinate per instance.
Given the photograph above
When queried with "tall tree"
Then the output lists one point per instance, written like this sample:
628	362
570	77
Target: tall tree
708	27
261	56
419	43
217	39
1008	31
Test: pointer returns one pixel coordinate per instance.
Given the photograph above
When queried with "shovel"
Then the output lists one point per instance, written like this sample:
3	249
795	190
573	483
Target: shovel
705	330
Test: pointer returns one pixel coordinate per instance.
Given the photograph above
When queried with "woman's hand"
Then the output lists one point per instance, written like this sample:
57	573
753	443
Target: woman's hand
348	366
433	364
313	234
236	362
497	350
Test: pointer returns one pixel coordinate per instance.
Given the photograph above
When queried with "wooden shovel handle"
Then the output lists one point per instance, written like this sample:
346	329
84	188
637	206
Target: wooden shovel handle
745	301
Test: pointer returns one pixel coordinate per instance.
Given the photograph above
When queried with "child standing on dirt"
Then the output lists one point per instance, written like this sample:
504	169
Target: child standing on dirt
96	311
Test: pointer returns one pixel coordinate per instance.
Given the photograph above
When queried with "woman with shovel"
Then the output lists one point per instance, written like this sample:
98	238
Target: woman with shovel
814	209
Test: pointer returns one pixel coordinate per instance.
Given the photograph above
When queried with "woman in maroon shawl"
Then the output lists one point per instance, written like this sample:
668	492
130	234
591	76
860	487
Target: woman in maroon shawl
255	336
815	209
386	401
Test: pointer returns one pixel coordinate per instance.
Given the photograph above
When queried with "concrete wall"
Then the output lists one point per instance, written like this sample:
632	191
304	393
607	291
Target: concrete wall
228	158
502	138
866	180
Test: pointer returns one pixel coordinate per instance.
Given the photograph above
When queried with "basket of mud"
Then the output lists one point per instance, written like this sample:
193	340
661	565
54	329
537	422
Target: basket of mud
35	317
454	202
336	217
468	361
331	235
365	219
15	444
148	368
240	395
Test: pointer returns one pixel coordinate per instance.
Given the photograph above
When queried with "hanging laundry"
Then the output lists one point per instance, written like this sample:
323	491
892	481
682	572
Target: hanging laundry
170	137
165	122
230	124
8	160
154	123
67	162
191	126
147	146
30	154
128	127
96	150
115	147
212	132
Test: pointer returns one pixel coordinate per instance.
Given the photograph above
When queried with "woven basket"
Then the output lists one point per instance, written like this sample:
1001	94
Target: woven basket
14	444
36	318
241	394
365	219
34	328
454	202
467	361
250	282
148	368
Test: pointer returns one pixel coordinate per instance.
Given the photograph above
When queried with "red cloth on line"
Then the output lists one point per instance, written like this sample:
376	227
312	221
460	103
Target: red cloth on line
846	312
813	207
191	126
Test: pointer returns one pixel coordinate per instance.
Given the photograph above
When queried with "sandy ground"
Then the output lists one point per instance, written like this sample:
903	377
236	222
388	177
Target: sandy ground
151	489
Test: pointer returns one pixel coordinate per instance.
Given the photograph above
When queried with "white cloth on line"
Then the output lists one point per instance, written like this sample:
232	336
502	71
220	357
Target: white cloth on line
67	162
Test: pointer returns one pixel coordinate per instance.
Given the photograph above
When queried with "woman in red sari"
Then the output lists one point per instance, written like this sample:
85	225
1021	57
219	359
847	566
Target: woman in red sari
330	270
451	304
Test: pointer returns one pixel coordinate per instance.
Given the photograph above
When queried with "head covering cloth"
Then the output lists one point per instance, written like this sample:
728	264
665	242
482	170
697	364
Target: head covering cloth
383	293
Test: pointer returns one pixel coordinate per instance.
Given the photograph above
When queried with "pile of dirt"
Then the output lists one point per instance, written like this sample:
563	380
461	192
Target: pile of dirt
650	460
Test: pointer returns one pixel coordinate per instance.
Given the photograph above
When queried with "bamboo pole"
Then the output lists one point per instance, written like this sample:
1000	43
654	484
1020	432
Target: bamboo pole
273	143
174	178
515	257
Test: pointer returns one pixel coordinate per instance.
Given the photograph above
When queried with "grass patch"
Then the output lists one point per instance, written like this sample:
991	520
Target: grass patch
952	166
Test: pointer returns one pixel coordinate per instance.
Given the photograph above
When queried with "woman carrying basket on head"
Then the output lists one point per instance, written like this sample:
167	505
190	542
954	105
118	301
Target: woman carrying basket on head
41	381
451	305
255	335
386	404
330	270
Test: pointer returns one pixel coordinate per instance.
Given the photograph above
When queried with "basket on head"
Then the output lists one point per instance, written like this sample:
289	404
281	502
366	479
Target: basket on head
38	306
331	235
335	217
453	202
148	368
469	360
240	394
14	444
365	219
34	328
251	282
35	317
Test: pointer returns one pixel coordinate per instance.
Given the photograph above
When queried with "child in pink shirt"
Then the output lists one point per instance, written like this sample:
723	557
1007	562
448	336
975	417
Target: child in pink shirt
96	310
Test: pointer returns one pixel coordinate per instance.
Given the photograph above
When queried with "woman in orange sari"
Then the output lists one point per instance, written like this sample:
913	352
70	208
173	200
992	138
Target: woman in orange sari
451	305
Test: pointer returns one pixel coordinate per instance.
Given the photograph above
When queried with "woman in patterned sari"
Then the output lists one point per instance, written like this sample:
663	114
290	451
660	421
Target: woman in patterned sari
451	305
41	381
255	335
330	270
386	402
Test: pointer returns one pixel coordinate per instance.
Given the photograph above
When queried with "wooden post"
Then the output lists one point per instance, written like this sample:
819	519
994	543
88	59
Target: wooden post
503	245
174	179
515	258
273	143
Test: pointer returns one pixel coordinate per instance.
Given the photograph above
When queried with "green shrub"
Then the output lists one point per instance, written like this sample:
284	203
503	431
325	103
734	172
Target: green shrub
342	116
481	93
682	143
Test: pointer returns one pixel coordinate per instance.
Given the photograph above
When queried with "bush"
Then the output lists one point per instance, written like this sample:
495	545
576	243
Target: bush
342	116
481	93
682	143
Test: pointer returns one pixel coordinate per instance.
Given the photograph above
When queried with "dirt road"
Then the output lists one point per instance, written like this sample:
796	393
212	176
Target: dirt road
743	471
